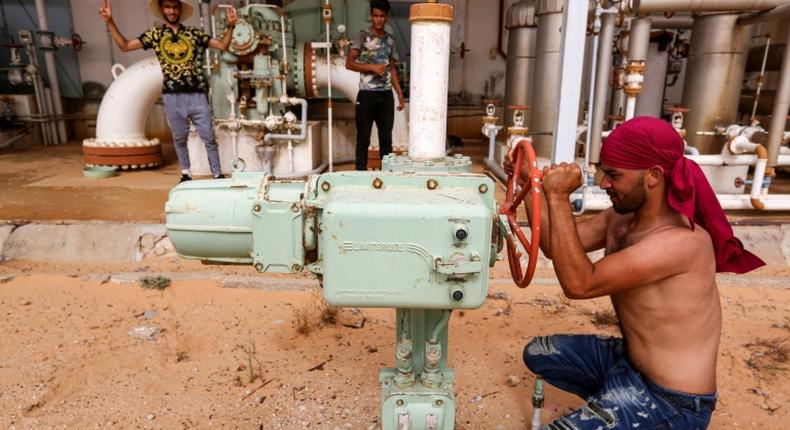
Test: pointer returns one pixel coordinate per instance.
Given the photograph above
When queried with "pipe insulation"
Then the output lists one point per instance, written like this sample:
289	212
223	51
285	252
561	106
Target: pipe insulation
430	63
52	73
714	77
652	6
522	31
124	109
780	12
602	90
639	39
546	92
781	108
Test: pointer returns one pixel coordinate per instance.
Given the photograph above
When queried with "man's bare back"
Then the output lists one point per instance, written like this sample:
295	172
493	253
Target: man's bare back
671	326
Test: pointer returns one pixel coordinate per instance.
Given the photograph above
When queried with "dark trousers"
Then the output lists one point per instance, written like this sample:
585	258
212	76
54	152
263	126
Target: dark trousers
378	107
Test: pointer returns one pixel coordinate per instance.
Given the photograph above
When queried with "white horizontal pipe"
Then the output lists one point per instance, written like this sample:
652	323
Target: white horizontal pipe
343	80
734	160
772	202
779	12
653	6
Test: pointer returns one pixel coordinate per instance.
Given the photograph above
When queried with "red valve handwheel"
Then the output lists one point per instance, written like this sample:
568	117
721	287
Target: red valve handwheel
77	42
509	208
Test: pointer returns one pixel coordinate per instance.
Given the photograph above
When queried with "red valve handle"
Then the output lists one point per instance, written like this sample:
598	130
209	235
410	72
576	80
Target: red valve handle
76	42
510	206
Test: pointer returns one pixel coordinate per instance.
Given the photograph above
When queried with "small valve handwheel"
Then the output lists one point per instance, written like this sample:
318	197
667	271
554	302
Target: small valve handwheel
523	153
76	42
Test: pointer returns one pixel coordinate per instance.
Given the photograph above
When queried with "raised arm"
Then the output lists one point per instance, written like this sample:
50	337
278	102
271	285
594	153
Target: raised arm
125	45
224	43
632	267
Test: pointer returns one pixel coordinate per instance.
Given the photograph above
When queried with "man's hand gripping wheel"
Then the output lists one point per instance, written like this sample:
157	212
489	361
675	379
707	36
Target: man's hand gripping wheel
523	153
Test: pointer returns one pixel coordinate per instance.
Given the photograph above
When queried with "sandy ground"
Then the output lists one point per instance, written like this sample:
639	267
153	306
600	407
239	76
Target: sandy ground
234	358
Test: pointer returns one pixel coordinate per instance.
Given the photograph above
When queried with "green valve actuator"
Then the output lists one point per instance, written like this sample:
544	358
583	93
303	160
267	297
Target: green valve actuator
422	243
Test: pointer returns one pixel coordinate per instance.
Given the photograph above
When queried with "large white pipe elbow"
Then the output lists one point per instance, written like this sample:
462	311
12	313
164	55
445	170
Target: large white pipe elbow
343	80
346	82
125	107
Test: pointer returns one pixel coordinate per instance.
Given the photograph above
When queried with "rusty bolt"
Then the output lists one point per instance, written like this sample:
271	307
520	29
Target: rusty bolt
483	188
439	403
259	267
256	208
295	207
400	402
296	268
325	186
432	184
377	183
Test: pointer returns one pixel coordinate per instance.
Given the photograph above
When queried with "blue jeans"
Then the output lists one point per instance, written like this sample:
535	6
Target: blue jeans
618	397
180	109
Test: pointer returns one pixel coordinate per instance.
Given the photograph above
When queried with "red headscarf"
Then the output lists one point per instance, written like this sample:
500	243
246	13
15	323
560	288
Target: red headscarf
644	142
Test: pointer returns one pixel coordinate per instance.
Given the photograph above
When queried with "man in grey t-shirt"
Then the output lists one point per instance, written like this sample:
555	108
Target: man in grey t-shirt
374	55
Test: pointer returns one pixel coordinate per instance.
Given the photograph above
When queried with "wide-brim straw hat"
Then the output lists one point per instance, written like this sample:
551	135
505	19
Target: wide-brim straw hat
186	10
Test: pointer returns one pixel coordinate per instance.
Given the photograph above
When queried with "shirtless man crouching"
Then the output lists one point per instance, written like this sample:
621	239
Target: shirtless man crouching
660	272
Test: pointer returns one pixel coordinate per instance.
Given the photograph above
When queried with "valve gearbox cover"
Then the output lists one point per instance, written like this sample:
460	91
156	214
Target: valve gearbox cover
396	242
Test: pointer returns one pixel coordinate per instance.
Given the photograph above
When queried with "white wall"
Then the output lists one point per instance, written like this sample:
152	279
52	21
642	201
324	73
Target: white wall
476	24
131	17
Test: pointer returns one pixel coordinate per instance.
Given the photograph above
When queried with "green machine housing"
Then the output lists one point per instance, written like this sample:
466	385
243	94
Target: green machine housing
402	240
418	242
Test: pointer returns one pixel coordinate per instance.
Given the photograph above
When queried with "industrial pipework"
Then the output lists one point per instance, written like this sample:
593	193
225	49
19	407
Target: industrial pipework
432	257
255	89
714	77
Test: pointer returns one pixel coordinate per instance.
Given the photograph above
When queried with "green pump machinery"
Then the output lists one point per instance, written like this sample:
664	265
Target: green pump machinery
272	54
418	236
419	242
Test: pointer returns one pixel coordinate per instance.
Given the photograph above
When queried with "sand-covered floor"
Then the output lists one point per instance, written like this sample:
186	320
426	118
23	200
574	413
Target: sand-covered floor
234	358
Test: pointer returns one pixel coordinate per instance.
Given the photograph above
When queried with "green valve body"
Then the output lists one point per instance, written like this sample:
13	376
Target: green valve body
402	240
420	242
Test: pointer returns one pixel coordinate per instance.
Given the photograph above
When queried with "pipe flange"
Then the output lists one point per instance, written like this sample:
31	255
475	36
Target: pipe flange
120	143
139	154
637	66
517	131
521	14
441	12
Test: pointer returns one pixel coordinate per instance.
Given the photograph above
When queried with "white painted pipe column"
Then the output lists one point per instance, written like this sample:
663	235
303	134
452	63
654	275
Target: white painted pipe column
781	108
327	21
630	107
49	59
430	62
